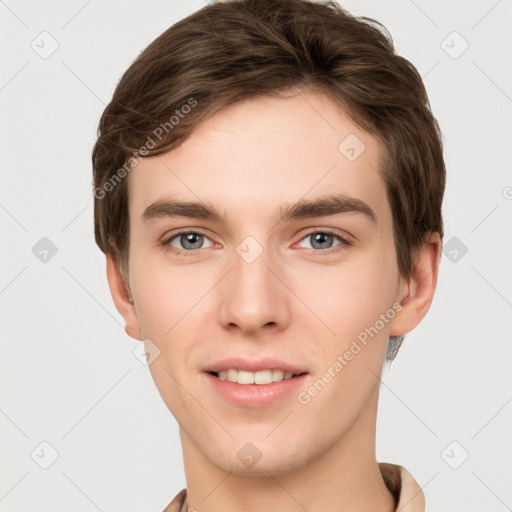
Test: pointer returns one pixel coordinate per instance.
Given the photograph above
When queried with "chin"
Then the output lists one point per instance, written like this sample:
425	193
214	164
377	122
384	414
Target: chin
267	461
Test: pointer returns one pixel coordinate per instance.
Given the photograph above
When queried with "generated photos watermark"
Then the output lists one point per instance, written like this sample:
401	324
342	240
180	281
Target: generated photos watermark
158	132
305	397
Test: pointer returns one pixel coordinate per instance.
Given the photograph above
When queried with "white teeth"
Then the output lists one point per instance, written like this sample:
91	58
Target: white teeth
261	377
245	377
277	375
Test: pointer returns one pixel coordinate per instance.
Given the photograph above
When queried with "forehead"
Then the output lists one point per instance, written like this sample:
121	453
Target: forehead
254	156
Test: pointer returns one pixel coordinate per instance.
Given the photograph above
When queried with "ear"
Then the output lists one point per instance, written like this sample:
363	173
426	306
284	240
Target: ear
416	295
122	299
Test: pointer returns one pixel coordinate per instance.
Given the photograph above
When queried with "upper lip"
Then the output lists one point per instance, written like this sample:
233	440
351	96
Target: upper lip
254	365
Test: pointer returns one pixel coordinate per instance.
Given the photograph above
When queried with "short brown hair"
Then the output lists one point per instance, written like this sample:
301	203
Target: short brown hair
232	50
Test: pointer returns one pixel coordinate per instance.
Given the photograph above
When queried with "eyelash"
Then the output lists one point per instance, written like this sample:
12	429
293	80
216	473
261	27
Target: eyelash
316	252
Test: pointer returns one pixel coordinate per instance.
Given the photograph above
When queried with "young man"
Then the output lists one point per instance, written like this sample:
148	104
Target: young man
268	183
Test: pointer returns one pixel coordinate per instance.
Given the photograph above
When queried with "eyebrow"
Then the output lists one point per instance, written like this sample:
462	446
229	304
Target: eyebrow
302	209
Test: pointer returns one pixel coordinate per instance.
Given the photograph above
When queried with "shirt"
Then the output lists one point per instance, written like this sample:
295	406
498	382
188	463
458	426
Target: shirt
402	485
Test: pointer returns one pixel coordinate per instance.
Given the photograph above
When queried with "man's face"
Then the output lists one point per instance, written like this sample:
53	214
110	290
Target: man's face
298	291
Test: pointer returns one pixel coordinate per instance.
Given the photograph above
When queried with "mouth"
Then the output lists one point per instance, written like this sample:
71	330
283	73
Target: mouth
255	389
260	378
255	382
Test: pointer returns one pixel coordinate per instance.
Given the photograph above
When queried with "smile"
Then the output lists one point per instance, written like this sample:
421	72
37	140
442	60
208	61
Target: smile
261	377
255	389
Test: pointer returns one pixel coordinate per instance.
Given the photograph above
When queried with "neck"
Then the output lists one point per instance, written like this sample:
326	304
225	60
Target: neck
345	476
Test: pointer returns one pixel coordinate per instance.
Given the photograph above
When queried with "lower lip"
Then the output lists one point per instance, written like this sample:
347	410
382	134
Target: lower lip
255	395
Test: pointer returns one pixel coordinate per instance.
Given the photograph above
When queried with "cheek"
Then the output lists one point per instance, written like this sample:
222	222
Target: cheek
170	304
349	297
165	308
160	296
349	300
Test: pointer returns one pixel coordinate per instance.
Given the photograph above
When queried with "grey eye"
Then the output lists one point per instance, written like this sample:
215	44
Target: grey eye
189	241
321	240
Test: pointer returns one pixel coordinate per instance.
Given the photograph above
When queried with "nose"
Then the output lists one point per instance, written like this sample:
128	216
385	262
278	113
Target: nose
254	296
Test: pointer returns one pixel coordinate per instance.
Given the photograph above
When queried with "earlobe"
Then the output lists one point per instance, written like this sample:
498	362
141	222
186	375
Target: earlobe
418	293
122	298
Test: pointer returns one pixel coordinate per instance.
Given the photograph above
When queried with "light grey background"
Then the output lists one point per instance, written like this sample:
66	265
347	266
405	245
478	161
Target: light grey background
69	377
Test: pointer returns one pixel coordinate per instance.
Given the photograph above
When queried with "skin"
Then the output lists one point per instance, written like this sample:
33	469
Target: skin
295	302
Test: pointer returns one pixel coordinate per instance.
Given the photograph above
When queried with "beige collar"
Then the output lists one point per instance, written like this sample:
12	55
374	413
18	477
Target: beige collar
403	486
